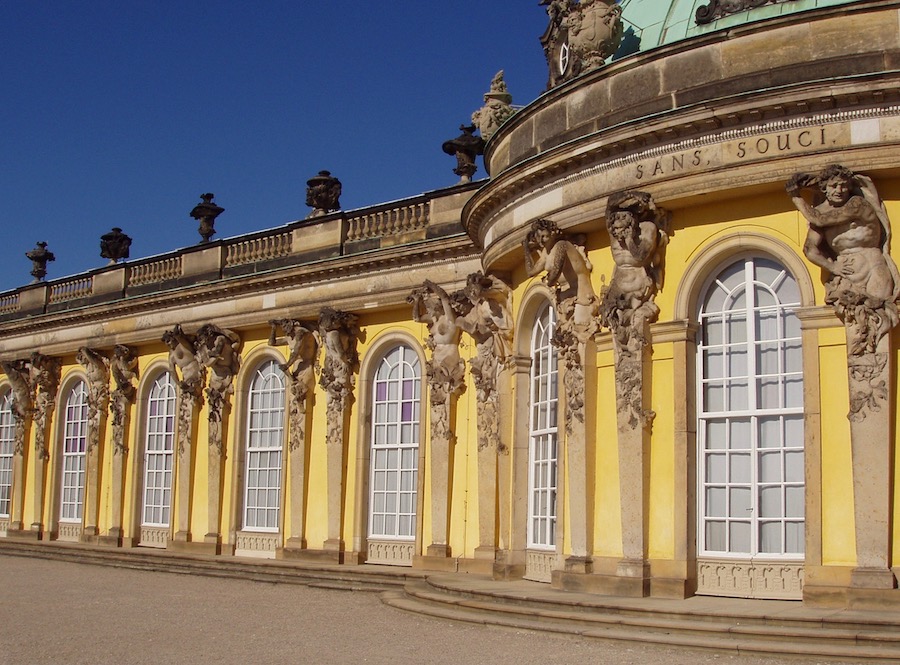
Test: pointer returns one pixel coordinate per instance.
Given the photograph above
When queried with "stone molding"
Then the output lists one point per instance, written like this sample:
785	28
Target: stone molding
151	536
247	543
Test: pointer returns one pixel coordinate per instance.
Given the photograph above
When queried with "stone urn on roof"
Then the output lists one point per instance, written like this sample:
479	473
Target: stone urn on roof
580	36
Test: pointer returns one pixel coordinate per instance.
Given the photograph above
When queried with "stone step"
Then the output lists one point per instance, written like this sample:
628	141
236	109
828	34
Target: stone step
361	578
685	633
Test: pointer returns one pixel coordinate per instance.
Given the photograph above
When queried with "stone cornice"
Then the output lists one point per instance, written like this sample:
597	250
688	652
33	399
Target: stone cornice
710	122
423	256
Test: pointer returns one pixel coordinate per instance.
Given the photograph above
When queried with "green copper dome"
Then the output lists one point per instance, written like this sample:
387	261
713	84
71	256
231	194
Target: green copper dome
651	23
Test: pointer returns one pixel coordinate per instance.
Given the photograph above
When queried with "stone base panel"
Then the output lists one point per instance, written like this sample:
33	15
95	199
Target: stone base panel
390	552
775	580
261	545
153	536
4	525
69	532
539	565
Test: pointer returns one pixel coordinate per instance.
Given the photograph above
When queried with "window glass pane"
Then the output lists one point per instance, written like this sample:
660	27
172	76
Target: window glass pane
752	487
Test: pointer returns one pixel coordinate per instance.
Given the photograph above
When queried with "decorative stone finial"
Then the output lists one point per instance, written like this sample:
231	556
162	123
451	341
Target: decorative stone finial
465	147
206	213
496	110
39	257
580	37
115	246
323	193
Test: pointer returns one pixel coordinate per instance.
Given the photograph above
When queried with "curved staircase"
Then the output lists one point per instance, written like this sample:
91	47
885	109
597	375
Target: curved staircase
756	627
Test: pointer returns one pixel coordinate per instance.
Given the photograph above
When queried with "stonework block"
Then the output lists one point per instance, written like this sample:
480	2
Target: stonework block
635	86
207	261
854	34
767	50
690	69
588	105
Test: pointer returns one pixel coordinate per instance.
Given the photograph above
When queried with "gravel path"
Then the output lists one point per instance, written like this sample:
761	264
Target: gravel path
68	613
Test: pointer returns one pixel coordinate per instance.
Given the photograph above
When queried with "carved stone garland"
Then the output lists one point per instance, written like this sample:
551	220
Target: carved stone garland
489	322
445	371
123	367
218	349
638	236
568	273
849	238
189	375
22	412
44	373
96	364
339	332
299	370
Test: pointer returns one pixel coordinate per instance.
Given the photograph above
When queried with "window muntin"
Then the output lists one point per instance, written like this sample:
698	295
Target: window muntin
74	445
750	434
394	467
543	448
265	446
159	452
7	448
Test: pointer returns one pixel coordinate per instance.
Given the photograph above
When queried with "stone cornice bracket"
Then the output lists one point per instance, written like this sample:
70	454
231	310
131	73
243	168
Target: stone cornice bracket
718	8
96	365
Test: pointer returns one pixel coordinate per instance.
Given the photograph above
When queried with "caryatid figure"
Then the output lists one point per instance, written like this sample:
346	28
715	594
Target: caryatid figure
433	306
638	236
568	272
183	359
849	235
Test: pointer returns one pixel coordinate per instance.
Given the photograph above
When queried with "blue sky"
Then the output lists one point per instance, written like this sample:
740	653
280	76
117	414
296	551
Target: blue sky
122	114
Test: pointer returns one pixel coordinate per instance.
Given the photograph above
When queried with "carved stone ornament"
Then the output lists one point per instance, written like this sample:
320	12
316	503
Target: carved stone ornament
96	365
497	108
22	399
580	36
323	193
44	374
123	366
115	246
849	237
489	322
39	257
219	350
465	147
206	212
718	8
190	375
339	332
302	340
568	269
638	236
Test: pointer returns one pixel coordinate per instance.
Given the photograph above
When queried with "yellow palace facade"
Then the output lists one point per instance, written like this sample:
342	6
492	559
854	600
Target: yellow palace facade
652	354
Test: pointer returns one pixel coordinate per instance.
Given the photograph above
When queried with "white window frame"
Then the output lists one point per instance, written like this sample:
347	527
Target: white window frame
7	450
264	450
543	438
394	446
745	483
74	449
159	453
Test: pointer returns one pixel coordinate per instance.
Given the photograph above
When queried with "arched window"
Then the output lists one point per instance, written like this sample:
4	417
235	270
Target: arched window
7	446
75	422
394	464
750	434
543	450
159	452
265	445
